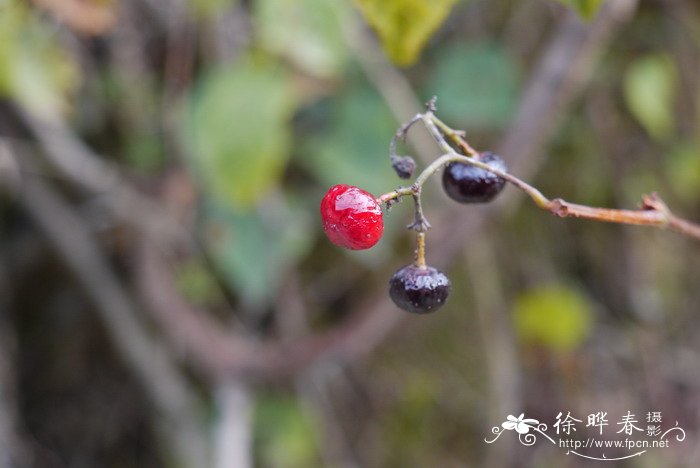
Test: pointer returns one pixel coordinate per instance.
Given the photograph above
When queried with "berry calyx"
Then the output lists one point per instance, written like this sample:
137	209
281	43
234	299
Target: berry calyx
465	183
351	217
419	290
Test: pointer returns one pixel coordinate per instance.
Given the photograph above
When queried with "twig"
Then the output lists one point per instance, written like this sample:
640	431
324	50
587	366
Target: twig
654	211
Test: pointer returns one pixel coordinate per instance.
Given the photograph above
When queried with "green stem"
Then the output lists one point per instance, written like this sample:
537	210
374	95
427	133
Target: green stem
536	196
456	137
654	211
428	121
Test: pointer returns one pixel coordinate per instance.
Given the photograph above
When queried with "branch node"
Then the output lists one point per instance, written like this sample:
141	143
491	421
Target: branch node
654	202
558	207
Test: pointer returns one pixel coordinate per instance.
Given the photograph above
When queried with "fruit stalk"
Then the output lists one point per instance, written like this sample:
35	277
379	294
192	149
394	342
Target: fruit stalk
653	212
420	250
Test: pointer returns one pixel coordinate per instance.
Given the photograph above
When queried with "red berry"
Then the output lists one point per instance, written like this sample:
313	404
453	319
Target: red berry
351	217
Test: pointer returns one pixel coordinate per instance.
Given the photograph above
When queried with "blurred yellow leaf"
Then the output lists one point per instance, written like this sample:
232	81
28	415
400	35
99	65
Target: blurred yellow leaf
34	69
284	434
553	316
586	8
404	26
210	8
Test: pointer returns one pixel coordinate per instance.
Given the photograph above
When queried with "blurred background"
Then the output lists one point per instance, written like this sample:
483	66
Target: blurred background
167	295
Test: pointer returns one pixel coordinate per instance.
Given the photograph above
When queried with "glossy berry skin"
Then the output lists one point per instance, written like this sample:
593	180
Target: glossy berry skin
419	290
351	217
465	183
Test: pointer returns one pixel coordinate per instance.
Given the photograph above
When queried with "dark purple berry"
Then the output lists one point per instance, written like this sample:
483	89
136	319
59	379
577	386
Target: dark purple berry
419	290
465	183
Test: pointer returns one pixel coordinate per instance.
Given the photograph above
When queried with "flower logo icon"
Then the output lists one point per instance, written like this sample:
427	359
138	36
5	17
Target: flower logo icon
521	425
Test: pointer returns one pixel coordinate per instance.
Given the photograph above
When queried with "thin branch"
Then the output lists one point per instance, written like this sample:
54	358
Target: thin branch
654	211
454	136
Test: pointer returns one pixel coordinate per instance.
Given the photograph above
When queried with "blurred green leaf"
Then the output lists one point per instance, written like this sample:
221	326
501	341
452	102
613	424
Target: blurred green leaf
143	151
476	85
586	8
196	283
404	26
237	130
254	249
284	435
683	170
553	316
408	422
310	35
34	69
650	91
355	149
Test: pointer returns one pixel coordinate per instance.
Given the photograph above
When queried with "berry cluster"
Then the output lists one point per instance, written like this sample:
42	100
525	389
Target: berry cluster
352	217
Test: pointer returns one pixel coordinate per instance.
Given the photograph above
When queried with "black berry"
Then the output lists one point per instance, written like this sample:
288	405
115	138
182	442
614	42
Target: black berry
419	290
465	183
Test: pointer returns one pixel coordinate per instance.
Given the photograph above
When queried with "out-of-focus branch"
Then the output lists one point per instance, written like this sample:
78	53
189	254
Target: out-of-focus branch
14	451
220	355
76	162
166	387
564	69
212	350
391	84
